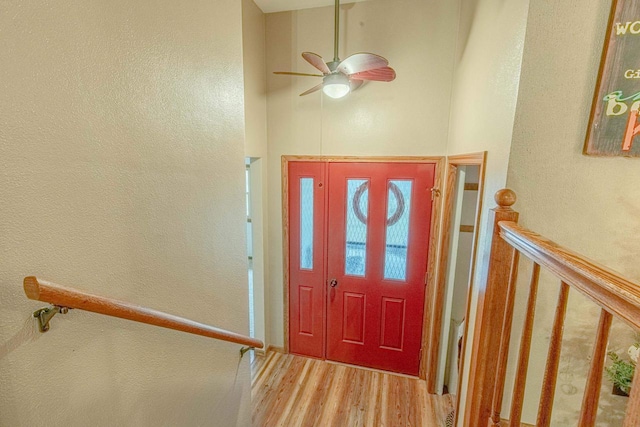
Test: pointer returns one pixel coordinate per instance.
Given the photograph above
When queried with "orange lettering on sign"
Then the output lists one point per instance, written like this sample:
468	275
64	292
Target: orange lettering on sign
633	128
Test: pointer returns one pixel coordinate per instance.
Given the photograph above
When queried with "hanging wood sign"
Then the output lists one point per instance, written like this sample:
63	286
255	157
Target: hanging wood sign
614	125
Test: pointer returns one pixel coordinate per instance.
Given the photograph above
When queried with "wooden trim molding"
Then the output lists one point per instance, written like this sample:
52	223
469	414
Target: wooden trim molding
365	159
436	296
431	268
284	164
276	349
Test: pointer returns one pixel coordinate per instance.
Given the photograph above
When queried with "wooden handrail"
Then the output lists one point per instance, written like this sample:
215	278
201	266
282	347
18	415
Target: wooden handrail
610	290
42	290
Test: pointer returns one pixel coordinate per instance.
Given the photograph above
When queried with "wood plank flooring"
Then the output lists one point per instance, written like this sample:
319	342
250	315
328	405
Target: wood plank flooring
296	391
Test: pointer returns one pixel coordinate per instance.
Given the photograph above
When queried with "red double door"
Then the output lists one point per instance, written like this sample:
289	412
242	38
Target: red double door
358	247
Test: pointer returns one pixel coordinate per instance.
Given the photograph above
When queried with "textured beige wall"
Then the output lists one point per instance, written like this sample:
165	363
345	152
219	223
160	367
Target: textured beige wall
406	117
121	152
255	79
483	105
586	203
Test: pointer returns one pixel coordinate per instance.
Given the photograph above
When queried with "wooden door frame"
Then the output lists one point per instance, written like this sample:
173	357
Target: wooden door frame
453	162
434	236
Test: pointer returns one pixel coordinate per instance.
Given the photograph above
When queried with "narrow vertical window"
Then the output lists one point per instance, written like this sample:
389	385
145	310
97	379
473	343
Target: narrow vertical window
356	229
397	235
306	223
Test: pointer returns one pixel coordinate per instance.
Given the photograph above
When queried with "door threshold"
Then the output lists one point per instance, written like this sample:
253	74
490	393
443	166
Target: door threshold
380	371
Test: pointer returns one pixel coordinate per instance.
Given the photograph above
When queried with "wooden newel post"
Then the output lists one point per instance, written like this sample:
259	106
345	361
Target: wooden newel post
492	299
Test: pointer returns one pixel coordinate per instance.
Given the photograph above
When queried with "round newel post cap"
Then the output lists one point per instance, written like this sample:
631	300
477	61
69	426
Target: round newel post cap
505	198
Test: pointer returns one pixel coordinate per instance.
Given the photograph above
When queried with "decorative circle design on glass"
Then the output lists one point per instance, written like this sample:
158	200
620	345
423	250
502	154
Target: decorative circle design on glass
365	187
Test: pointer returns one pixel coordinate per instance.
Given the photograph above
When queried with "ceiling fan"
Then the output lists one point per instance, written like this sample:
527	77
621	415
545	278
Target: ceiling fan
341	77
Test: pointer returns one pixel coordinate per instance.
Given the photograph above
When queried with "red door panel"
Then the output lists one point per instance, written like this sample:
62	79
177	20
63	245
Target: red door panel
379	218
392	323
353	317
305	308
306	258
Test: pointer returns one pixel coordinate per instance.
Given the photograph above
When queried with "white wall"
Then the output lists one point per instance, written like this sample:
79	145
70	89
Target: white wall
406	117
255	79
588	204
483	105
121	152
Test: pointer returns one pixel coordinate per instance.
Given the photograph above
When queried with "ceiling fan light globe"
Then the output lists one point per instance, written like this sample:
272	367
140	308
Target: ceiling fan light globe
336	86
336	90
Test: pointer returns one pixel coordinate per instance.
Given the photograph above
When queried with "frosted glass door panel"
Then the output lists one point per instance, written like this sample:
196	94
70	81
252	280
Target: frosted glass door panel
306	223
356	231
397	234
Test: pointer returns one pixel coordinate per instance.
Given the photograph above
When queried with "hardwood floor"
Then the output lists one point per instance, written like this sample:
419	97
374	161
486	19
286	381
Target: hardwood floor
296	391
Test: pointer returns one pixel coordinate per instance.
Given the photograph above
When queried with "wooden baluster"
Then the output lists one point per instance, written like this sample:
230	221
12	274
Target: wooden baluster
553	360
498	391
489	316
525	347
594	379
632	418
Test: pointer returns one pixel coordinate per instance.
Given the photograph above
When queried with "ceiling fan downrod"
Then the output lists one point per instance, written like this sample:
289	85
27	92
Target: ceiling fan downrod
336	33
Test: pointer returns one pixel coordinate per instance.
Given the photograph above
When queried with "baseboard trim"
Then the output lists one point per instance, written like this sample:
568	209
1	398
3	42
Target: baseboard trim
276	349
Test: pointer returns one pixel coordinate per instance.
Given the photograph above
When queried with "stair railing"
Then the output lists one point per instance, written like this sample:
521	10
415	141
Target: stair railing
614	294
63	299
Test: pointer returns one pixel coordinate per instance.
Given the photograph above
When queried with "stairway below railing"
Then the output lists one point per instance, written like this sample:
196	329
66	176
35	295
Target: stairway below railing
63	298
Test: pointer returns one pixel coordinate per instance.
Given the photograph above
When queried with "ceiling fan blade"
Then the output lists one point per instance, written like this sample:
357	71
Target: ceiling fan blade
290	73
317	61
384	74
313	89
360	62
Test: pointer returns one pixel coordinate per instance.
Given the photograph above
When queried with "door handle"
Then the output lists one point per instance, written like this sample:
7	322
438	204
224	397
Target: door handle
333	283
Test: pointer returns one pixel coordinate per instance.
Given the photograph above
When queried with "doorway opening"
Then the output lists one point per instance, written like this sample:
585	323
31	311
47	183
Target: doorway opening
460	225
458	275
358	239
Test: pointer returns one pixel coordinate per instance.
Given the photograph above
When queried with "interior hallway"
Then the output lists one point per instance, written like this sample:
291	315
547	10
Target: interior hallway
291	391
